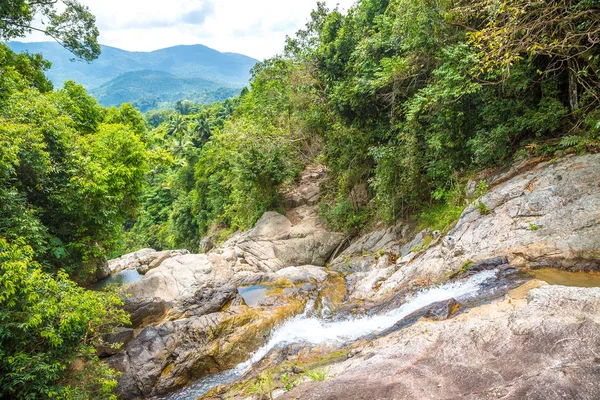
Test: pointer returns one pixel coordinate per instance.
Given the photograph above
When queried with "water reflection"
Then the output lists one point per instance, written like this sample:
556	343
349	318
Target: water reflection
253	295
122	278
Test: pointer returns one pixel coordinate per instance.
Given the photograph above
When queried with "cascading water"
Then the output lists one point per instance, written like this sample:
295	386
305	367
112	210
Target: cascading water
303	329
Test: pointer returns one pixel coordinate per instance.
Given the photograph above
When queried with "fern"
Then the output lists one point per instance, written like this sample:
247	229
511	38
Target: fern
580	143
571	141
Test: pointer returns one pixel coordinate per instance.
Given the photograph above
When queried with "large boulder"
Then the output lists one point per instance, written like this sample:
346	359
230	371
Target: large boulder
541	347
127	261
276	243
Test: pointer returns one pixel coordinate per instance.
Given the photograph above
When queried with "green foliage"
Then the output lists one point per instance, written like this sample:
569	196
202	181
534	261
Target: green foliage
481	189
71	171
48	325
288	382
149	89
533	227
482	208
466	265
71	24
396	98
317	374
412	103
262	387
445	211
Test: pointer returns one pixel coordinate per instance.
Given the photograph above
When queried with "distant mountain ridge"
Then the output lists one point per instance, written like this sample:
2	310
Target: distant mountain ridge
188	72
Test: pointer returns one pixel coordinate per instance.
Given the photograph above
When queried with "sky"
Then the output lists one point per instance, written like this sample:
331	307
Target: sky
256	28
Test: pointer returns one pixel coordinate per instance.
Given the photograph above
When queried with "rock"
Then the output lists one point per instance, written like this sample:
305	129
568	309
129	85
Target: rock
542	348
176	278
155	259
271	226
144	312
537	341
303	274
306	193
275	243
103	271
443	310
421	240
537	220
127	261
206	244
208	337
470	189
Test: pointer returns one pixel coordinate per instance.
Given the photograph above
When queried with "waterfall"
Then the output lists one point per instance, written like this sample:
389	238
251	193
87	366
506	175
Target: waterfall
311	330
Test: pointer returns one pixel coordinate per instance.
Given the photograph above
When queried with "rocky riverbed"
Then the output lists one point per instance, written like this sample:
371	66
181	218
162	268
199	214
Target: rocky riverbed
508	336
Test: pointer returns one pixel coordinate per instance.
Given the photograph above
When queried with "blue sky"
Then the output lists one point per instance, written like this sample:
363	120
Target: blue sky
253	27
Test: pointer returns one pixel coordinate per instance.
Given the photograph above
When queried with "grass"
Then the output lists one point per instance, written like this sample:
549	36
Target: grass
440	217
262	387
482	208
317	374
288	382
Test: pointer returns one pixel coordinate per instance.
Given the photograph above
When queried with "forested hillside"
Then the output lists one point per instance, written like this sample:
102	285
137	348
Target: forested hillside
402	100
149	80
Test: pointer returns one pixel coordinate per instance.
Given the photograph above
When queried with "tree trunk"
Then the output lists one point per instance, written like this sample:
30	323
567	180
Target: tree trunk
573	95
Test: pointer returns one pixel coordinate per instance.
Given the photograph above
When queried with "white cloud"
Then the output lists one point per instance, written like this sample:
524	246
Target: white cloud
256	28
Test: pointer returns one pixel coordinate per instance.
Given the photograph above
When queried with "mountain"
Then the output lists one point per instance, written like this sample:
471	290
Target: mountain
147	89
174	73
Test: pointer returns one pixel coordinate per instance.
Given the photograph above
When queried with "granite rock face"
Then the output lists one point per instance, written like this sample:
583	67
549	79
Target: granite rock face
536	342
541	215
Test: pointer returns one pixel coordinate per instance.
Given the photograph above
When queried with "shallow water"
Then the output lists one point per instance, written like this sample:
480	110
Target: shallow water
124	277
555	276
302	329
253	295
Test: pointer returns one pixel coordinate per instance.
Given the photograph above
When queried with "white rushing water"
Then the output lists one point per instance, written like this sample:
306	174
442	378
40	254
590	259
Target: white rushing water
302	329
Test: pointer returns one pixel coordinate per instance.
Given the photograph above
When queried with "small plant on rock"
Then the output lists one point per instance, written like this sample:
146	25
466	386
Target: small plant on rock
468	264
262	387
288	382
482	208
317	374
481	189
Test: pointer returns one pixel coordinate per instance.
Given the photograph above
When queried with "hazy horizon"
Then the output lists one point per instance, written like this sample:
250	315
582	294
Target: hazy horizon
256	29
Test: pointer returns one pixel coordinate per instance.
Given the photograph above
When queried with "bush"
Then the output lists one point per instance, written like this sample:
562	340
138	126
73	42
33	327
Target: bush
47	323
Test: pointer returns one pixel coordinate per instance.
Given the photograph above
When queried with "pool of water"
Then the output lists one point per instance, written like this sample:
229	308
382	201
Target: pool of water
555	276
253	295
122	278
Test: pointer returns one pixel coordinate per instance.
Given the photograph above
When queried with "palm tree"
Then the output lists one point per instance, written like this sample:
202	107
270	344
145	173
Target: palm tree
202	131
178	128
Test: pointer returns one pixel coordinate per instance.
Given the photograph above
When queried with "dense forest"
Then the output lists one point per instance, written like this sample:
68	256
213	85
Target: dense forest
403	101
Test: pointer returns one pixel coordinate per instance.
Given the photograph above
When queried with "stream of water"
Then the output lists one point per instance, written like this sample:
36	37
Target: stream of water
303	329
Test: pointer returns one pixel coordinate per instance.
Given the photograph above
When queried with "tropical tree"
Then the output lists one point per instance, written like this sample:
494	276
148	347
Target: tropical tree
201	131
71	24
